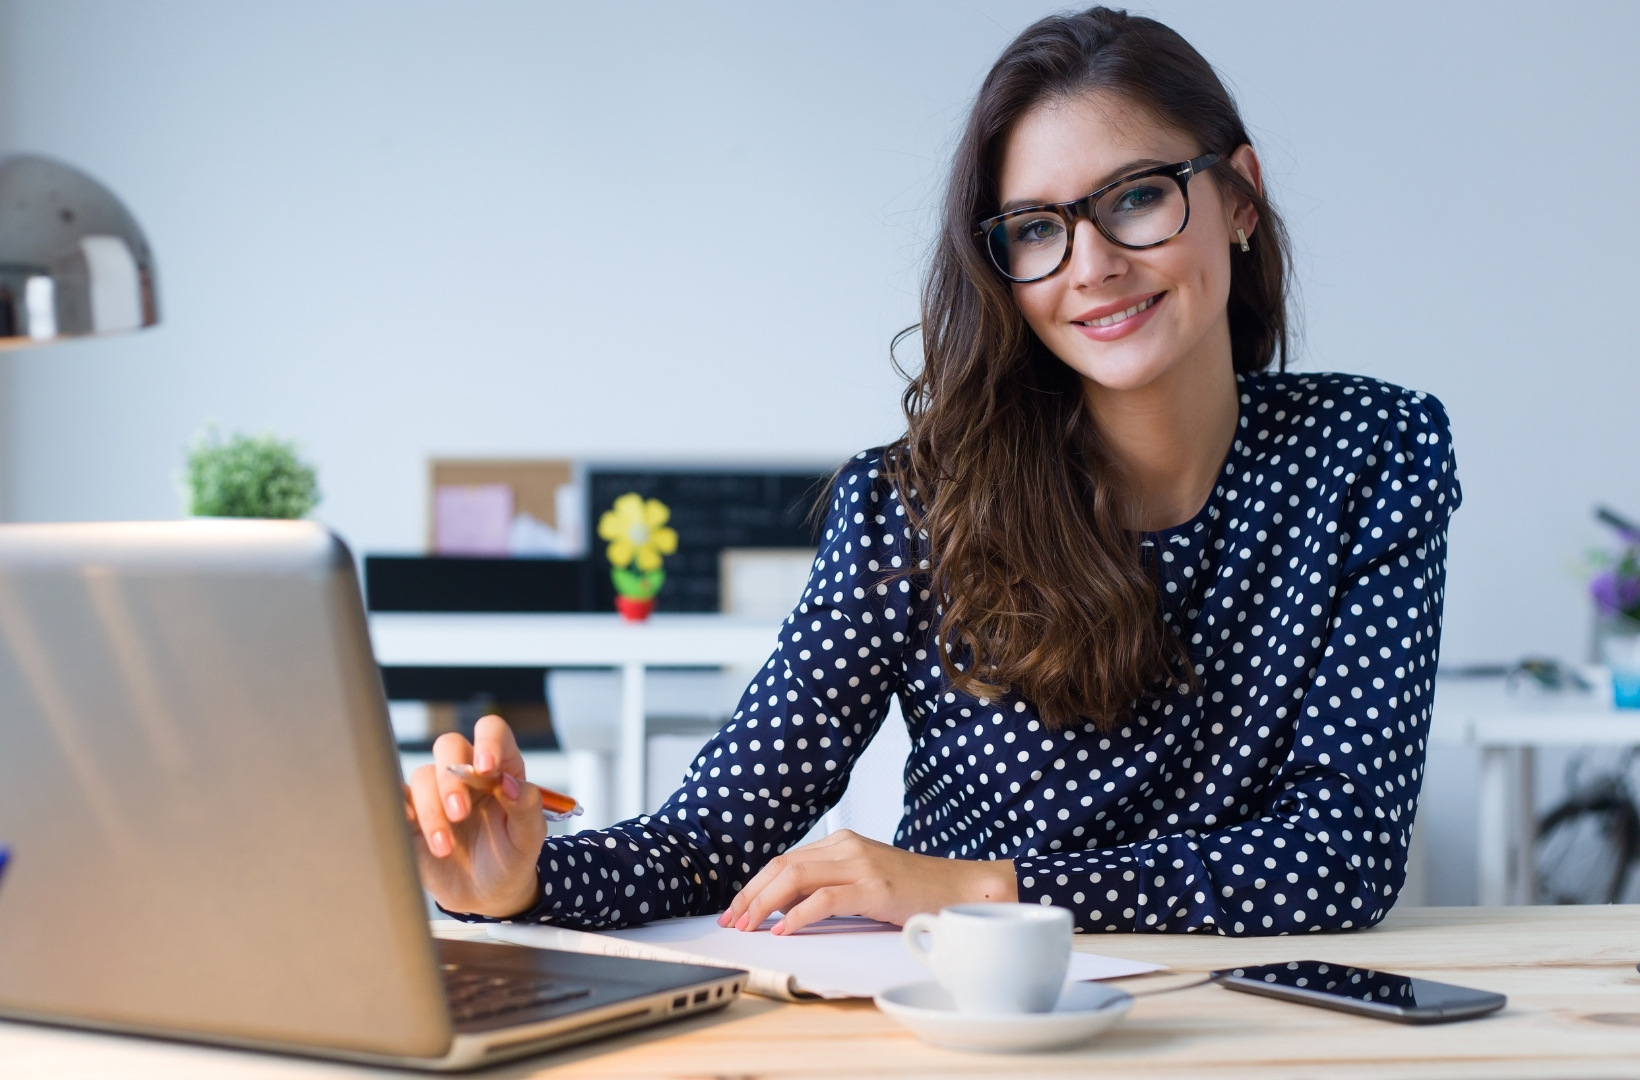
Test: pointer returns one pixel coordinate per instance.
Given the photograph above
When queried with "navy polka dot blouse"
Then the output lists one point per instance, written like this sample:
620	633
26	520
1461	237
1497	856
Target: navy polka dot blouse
1276	797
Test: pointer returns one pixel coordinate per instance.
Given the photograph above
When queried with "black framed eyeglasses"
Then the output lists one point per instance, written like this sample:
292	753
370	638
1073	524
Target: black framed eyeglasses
1138	211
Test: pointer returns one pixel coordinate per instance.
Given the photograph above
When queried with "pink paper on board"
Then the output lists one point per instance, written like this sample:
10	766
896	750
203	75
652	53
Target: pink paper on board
472	519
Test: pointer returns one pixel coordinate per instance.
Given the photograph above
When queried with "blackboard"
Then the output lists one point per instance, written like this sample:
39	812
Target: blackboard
711	510
472	583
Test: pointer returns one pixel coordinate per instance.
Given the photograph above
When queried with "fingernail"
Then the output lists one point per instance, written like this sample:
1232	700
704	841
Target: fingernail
486	762
778	928
440	843
740	924
509	786
452	802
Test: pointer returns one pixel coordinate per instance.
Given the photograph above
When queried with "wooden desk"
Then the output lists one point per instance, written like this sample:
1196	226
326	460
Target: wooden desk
1574	1011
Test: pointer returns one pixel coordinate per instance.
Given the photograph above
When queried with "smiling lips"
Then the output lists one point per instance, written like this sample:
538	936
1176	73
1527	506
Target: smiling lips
1109	323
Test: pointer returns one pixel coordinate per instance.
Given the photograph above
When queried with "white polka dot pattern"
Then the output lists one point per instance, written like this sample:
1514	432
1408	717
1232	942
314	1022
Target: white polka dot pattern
1277	796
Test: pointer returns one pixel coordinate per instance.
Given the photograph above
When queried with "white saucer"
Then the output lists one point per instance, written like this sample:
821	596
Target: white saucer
1084	1010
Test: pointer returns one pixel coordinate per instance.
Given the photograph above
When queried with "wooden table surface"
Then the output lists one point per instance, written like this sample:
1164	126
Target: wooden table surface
1574	1011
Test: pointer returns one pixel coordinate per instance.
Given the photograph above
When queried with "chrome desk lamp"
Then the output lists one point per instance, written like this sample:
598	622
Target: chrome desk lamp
73	261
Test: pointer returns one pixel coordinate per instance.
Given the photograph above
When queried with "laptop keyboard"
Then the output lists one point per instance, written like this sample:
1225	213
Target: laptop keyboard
479	994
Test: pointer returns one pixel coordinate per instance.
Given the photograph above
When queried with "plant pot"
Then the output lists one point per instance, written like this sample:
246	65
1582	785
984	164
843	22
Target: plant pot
1621	653
1617	646
634	610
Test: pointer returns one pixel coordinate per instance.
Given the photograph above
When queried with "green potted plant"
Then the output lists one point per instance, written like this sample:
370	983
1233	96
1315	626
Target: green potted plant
248	476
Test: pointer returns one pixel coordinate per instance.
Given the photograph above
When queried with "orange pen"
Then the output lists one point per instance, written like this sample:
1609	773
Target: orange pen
555	805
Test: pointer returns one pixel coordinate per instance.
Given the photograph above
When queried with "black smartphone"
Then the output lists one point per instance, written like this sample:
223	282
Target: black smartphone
1360	990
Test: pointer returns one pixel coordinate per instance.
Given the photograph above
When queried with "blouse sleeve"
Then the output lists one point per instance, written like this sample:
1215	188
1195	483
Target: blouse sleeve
1328	851
783	759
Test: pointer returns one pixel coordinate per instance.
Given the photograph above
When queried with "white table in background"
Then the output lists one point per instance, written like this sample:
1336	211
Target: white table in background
1508	728
459	640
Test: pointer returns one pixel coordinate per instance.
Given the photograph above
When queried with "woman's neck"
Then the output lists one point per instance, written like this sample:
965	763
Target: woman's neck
1170	436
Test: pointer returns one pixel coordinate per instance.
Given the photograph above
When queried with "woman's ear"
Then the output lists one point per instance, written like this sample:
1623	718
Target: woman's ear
1243	214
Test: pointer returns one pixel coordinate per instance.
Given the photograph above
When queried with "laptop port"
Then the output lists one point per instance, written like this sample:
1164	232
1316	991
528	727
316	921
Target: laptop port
680	1001
701	996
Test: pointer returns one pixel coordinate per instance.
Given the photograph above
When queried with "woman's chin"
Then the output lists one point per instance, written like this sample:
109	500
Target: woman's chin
1120	370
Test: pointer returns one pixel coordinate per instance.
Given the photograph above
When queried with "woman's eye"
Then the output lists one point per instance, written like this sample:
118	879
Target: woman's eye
1037	231
1136	199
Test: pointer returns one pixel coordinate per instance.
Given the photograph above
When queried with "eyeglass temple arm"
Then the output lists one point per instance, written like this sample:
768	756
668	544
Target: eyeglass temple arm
1200	164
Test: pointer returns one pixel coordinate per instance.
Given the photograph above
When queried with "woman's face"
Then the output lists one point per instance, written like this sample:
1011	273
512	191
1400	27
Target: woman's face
1061	151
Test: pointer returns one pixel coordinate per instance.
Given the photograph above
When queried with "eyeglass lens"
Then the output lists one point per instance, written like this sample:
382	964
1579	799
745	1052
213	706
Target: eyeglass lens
1138	213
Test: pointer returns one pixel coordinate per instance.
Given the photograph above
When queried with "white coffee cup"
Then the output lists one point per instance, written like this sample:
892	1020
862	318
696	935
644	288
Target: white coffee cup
995	958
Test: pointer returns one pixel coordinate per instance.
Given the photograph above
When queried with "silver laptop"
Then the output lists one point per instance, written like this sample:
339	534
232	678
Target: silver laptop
200	793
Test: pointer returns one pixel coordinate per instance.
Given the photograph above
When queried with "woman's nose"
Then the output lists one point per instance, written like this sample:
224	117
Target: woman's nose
1094	259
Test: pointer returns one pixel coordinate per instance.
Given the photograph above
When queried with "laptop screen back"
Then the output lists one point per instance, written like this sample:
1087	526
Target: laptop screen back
199	791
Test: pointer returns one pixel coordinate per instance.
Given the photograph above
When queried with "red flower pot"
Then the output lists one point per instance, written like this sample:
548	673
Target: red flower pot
634	610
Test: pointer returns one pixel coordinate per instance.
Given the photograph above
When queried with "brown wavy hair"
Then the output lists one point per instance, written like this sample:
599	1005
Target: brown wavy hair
1027	518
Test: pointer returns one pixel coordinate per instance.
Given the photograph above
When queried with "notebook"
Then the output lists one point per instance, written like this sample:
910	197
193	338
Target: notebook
845	957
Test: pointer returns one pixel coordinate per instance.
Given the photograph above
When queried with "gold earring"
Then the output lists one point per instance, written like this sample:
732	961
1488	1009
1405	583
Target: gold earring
1242	236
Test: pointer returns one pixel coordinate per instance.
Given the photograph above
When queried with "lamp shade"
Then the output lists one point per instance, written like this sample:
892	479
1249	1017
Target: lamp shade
73	261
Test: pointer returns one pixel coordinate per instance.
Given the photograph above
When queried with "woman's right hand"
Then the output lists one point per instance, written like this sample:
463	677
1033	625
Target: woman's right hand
476	850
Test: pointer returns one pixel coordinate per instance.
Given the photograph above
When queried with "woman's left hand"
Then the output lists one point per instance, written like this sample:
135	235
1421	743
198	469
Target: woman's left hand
846	874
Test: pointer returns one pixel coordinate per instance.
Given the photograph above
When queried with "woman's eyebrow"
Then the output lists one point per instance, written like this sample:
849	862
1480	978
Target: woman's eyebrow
1136	165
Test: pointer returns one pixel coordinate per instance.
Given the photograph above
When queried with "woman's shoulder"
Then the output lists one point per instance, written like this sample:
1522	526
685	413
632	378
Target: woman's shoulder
1307	408
866	467
1342	433
863	495
868	475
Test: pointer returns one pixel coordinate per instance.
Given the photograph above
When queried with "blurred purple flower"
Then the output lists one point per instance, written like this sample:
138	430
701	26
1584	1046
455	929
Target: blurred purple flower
1614	595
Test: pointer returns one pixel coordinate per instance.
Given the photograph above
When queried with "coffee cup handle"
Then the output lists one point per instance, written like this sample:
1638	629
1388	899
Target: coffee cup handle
915	927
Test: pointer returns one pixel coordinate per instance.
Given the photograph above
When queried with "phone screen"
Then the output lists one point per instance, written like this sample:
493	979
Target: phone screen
1361	989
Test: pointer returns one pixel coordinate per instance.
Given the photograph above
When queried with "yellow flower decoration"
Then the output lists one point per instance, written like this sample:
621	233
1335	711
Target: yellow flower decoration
637	531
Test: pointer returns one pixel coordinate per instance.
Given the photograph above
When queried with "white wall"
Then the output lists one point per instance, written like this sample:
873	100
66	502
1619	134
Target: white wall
394	229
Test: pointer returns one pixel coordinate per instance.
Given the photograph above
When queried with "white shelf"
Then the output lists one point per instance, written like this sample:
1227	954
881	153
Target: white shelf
570	640
1484	712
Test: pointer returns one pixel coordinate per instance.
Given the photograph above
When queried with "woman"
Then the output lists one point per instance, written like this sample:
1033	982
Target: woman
1164	624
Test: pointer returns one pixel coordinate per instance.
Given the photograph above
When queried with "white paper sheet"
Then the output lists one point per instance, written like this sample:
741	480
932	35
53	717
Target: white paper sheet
835	958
